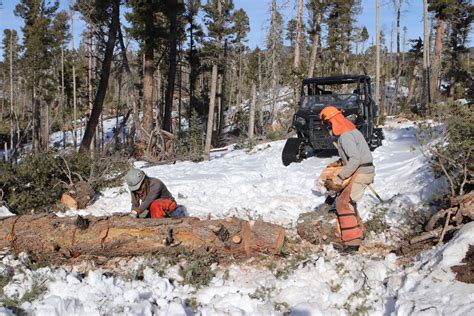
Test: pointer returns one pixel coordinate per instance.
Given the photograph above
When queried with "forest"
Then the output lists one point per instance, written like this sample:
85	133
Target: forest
180	79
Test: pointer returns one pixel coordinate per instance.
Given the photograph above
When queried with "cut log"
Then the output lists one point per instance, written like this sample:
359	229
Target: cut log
49	238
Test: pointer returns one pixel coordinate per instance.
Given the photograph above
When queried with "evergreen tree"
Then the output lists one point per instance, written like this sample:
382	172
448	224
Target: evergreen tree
241	29
39	41
340	27
460	24
147	29
218	20
173	9
291	32
274	45
11	59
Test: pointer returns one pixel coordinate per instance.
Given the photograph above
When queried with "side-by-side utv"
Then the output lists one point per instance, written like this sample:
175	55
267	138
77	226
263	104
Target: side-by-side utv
349	93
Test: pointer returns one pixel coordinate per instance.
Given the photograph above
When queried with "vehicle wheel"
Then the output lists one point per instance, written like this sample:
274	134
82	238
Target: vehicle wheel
292	151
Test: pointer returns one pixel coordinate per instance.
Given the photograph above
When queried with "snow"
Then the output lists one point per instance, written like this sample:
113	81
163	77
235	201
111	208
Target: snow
254	185
4	212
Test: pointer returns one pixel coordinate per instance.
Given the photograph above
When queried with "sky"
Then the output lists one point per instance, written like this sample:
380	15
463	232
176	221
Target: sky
258	12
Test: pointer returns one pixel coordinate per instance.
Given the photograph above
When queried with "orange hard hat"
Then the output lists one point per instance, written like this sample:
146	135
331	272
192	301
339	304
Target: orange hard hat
328	113
337	123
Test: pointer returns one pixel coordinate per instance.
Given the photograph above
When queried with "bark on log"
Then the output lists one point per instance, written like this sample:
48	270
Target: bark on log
50	238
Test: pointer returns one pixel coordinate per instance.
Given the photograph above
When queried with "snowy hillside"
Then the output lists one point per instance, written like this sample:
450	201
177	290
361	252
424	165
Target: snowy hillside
256	185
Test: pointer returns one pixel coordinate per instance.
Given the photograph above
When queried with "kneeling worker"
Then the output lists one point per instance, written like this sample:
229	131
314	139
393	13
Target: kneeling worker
150	196
356	174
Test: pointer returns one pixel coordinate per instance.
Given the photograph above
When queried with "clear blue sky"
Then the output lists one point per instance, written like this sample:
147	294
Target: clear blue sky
258	12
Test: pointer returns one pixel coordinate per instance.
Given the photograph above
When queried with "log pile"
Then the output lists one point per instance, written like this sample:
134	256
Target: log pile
460	211
48	238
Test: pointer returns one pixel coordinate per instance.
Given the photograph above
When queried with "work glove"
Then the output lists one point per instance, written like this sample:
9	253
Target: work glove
334	184
144	214
133	214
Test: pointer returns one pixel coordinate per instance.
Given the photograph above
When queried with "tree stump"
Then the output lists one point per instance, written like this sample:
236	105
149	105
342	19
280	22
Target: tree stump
317	227
50	238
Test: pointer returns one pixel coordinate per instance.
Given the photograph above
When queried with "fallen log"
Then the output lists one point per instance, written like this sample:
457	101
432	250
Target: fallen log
49	237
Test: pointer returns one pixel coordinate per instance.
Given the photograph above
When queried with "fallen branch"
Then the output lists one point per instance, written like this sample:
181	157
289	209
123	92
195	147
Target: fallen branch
432	234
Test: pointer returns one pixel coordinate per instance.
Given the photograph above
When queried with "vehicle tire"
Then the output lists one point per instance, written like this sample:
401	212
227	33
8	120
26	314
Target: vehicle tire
292	151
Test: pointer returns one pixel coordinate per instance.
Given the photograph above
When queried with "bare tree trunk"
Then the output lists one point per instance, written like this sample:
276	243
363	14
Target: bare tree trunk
130	87
252	111
12	113
222	95
377	53
149	65
210	117
412	85
299	26
173	41
438	49
180	80
315	47
74	99
90	97
63	103
426	57
104	79
36	118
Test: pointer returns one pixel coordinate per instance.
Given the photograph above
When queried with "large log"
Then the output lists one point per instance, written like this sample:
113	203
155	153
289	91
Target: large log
49	238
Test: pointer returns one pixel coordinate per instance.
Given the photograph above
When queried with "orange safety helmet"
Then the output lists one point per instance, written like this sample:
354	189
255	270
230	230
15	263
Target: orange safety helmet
333	116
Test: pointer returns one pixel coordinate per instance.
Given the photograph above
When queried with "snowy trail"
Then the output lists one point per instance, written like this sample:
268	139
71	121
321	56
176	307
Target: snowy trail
254	185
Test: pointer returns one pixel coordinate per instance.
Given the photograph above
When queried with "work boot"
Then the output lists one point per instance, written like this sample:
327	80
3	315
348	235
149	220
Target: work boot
345	248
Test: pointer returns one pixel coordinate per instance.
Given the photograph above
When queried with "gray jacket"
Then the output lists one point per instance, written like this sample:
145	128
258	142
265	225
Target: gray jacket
354	151
155	189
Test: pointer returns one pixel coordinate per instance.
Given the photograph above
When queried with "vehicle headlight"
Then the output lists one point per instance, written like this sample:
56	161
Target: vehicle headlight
300	121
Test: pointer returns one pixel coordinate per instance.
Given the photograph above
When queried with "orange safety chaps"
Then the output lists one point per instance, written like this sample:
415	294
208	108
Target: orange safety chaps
349	226
162	208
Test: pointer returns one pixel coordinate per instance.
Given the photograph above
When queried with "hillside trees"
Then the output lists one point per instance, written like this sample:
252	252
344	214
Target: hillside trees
39	42
218	20
340	26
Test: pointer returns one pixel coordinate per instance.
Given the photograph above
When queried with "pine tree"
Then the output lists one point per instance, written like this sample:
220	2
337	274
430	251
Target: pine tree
145	28
38	41
173	8
444	11
218	19
241	29
274	45
340	26
460	22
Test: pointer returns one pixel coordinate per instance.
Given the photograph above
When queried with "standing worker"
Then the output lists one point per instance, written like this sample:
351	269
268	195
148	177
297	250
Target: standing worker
350	183
150	196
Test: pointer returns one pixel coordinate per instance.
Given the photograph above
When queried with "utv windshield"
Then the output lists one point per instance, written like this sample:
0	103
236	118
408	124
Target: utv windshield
342	96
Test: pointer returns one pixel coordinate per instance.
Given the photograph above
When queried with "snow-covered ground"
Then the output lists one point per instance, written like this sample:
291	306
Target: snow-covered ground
256	185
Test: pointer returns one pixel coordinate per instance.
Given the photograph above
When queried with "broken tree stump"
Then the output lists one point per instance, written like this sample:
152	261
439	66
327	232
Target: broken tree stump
49	237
